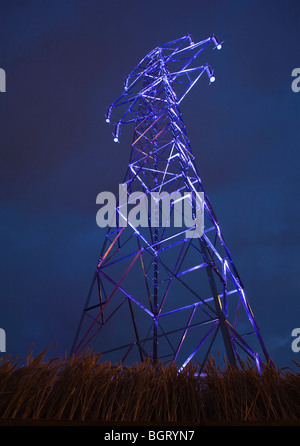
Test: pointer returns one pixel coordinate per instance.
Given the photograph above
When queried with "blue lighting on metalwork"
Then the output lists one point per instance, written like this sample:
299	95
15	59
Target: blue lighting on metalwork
210	74
191	285
218	45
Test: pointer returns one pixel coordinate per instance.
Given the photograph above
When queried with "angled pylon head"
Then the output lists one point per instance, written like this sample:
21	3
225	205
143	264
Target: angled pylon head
175	64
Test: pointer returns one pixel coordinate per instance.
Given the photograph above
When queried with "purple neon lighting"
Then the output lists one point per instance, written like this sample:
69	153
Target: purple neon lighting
161	160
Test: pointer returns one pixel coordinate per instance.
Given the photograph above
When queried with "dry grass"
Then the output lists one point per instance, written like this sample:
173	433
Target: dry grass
82	388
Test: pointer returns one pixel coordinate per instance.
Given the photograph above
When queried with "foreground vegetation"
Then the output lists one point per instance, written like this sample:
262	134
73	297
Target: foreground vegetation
82	388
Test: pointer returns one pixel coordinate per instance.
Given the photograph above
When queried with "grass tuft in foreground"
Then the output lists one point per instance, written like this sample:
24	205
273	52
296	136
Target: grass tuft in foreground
82	388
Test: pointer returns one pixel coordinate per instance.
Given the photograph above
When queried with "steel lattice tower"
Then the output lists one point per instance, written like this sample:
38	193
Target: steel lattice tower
156	292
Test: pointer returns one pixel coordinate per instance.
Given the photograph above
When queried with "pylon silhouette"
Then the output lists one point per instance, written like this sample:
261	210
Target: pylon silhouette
157	292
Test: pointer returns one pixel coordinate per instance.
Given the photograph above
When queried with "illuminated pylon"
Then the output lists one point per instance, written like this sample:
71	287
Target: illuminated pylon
156	292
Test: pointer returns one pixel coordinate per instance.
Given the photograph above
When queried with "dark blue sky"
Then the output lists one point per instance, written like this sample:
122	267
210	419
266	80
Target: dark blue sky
65	62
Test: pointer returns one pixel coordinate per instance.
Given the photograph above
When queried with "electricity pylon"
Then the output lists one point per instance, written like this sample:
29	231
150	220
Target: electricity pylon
156	292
